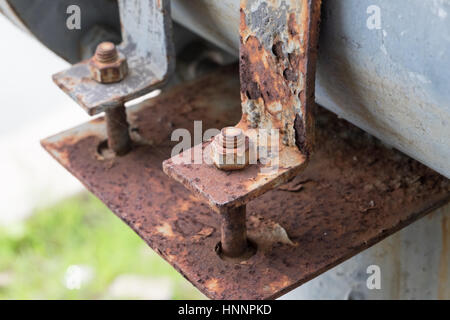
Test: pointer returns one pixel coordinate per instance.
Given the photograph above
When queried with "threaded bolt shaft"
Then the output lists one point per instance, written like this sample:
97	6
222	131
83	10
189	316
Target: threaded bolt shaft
234	231
106	52
119	139
231	138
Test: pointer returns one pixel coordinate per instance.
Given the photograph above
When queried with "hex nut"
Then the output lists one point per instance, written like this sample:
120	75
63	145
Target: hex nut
108	65
230	149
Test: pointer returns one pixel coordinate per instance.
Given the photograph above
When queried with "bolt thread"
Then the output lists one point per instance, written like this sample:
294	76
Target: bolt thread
231	138
106	52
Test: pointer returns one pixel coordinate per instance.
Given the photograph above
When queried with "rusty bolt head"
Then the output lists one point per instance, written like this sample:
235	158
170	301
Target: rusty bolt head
108	65
230	149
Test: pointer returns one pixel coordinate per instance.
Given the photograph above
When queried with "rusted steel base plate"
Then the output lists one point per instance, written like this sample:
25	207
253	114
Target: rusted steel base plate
354	193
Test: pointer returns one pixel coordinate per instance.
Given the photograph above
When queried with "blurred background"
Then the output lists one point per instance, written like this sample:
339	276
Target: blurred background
56	240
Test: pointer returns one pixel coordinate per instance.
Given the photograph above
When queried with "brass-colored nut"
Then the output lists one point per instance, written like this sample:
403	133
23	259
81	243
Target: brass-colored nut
230	149
108	65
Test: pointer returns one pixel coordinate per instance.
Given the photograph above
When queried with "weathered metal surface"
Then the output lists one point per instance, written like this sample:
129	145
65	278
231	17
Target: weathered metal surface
277	68
147	44
354	193
277	72
414	265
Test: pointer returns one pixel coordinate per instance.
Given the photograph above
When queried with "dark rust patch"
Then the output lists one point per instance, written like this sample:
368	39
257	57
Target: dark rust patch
300	135
277	50
259	80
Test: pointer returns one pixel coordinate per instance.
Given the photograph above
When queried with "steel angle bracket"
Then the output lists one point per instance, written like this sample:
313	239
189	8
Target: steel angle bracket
277	72
147	44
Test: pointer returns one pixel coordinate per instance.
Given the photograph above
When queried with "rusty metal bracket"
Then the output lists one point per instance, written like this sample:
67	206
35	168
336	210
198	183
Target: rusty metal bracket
277	73
147	45
354	193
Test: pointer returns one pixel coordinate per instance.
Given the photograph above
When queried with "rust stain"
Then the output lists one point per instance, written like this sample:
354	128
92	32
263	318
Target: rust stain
276	91
280	284
213	285
165	230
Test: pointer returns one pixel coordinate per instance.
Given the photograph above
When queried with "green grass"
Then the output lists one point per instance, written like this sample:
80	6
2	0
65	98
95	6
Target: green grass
78	231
